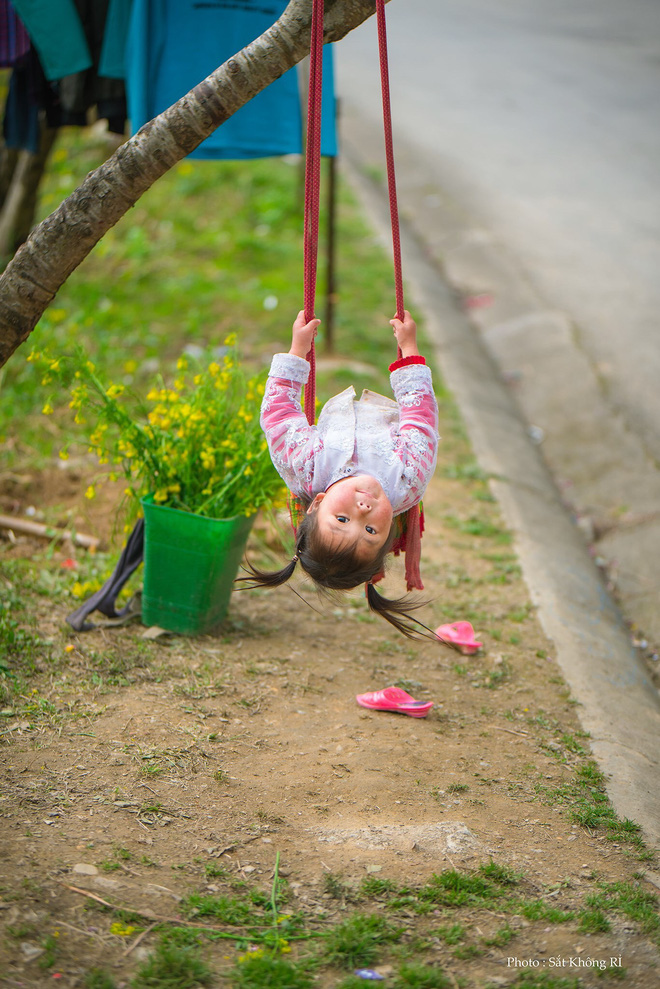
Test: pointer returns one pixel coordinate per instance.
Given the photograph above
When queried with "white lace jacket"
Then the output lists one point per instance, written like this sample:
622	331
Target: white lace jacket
395	442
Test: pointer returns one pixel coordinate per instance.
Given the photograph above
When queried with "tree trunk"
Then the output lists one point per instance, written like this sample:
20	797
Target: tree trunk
20	176
58	245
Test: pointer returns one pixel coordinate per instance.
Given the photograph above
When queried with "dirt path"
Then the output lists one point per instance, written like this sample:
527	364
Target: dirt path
146	771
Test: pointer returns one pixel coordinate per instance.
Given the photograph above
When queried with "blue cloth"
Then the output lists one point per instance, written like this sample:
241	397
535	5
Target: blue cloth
112	61
57	33
173	44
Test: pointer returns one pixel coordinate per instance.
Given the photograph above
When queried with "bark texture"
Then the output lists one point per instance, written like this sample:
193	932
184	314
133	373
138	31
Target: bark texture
58	245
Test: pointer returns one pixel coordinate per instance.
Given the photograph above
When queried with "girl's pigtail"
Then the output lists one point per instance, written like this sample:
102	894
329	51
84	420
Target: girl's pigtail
266	578
397	611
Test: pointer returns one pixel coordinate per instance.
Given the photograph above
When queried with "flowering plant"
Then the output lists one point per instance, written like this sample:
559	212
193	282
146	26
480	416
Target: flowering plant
196	446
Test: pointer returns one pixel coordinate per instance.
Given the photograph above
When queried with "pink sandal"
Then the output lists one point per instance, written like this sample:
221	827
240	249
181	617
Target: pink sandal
461	635
394	699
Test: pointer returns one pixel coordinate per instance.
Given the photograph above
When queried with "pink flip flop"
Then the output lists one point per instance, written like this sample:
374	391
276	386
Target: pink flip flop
461	635
394	699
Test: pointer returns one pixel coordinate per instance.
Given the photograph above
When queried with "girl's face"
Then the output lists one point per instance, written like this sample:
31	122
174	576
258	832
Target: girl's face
354	510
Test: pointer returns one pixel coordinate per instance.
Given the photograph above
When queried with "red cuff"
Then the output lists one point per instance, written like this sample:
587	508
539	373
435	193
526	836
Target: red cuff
405	361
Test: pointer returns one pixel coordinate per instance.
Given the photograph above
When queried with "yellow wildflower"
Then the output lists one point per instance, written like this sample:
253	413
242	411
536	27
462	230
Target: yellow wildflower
64	454
230	340
90	493
47	409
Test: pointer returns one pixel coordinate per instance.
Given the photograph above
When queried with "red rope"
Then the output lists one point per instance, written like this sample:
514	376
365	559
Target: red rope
312	190
389	156
411	541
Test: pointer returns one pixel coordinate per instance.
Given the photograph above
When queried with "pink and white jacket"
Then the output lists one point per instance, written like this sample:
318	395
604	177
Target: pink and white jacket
395	442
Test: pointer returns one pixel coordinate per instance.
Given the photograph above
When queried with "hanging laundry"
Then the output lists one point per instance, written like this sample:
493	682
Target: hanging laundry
14	38
172	45
57	34
81	90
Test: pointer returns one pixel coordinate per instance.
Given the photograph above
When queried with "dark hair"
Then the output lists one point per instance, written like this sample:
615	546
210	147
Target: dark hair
340	570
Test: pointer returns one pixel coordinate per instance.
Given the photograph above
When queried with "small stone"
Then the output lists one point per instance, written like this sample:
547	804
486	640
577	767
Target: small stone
85	870
30	951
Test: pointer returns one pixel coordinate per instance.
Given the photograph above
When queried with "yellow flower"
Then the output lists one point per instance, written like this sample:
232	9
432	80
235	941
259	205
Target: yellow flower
130	366
47	409
214	368
90	493
208	459
64	454
182	363
230	340
160	496
248	471
115	390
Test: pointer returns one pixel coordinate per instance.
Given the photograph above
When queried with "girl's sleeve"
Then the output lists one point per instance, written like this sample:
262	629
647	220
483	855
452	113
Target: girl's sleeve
418	426
291	440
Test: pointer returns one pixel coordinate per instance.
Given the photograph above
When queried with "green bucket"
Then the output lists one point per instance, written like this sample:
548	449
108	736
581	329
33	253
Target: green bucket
190	563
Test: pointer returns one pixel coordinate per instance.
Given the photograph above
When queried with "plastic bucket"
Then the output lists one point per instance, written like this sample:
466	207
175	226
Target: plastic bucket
190	563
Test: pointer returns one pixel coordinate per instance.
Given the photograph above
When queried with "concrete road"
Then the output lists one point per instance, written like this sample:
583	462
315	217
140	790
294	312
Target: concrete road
535	126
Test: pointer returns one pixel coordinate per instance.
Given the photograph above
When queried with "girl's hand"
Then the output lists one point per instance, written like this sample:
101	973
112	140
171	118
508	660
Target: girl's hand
302	335
405	332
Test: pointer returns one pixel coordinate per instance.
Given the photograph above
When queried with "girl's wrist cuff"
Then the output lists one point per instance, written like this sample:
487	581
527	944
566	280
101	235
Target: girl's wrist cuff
405	361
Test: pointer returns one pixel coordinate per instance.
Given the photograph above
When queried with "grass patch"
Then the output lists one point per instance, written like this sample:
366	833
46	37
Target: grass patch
414	975
630	900
590	806
173	967
98	978
358	940
258	971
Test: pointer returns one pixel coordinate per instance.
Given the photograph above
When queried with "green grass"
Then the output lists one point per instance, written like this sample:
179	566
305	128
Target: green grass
414	975
173	967
358	940
630	900
98	978
590	806
270	972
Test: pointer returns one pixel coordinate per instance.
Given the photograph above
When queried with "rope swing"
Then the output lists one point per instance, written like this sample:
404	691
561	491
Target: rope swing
409	539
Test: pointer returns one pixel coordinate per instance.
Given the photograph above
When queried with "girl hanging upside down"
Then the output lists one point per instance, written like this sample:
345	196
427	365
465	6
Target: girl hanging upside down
364	463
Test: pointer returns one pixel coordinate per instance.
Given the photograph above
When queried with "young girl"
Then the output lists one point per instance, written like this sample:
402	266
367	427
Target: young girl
364	463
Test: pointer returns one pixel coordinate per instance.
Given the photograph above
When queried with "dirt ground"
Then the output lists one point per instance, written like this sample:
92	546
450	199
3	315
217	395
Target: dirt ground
151	761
